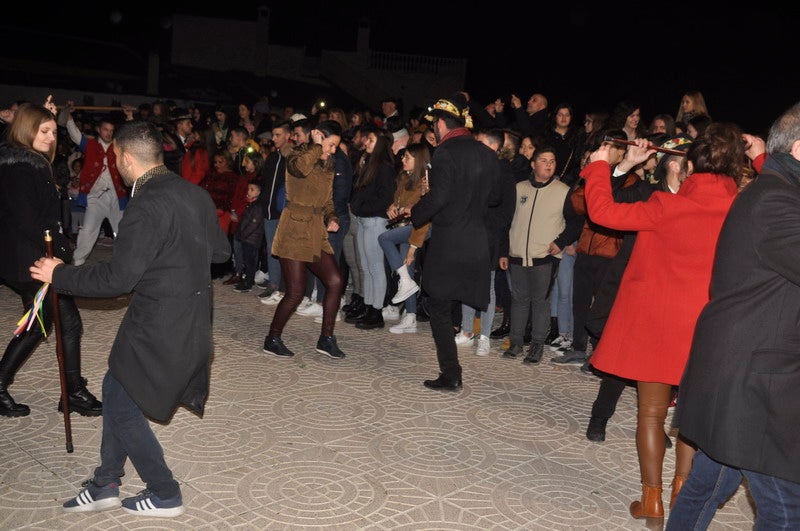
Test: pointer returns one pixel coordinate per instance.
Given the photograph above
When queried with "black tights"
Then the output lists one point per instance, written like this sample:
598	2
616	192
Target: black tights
294	274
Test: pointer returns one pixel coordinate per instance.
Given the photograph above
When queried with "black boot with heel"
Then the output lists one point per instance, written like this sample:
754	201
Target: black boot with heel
81	401
15	355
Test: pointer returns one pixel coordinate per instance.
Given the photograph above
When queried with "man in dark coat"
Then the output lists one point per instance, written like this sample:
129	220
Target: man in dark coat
160	358
462	187
739	398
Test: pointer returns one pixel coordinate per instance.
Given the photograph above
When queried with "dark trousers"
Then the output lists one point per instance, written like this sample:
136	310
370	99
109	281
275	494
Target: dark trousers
440	312
611	388
588	275
127	435
249	261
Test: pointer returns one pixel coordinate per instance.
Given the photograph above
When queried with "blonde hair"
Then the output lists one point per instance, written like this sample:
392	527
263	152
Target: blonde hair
698	106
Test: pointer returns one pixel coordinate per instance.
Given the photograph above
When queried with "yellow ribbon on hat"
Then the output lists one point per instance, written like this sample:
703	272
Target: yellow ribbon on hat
450	108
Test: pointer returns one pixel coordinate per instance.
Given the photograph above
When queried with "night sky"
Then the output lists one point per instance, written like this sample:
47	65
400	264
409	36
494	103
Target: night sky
590	54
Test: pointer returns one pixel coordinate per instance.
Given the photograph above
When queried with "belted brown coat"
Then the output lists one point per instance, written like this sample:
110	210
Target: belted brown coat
302	230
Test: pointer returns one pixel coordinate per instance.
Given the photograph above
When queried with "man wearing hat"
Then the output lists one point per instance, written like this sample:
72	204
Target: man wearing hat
176	138
463	184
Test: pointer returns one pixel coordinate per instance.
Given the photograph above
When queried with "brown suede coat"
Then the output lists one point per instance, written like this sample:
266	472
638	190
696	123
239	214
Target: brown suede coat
302	230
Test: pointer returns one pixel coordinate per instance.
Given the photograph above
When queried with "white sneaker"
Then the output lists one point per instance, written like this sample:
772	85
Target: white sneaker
463	340
391	313
484	346
407	325
260	277
318	319
313	310
405	289
273	299
561	343
303	303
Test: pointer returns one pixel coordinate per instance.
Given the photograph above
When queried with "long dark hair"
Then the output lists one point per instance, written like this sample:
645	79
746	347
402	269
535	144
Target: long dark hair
370	163
422	159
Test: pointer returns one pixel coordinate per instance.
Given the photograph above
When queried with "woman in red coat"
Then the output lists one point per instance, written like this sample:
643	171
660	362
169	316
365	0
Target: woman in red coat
665	286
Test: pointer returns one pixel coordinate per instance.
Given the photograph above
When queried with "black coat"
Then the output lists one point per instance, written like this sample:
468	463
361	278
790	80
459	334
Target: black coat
273	179
462	179
167	240
30	203
739	398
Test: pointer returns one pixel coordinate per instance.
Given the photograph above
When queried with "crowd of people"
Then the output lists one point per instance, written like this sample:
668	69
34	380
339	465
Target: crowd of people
630	251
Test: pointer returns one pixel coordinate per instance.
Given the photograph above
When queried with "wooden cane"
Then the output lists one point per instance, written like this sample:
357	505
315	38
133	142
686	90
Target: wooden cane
48	240
656	148
94	108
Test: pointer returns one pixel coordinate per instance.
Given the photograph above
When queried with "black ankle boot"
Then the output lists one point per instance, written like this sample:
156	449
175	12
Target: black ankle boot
372	319
356	300
9	408
596	431
504	329
80	400
15	355
356	314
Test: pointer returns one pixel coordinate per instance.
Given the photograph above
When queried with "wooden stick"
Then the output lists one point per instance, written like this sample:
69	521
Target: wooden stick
48	239
657	148
95	108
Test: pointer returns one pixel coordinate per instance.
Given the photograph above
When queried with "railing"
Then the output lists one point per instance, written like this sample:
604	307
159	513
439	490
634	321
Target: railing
419	64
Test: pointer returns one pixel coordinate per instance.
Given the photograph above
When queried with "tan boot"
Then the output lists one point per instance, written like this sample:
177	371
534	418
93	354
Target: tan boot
677	485
650	506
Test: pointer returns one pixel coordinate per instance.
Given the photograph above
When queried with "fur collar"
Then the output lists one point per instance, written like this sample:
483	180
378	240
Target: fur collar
15	155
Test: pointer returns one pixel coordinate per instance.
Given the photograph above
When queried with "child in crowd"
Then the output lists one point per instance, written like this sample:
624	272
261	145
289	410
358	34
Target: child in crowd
250	233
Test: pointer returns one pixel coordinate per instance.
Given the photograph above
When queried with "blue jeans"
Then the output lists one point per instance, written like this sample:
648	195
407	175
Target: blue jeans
711	483
561	295
487	317
273	265
395	247
370	255
127	434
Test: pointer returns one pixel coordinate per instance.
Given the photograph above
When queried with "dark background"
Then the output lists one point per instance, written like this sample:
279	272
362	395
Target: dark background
589	54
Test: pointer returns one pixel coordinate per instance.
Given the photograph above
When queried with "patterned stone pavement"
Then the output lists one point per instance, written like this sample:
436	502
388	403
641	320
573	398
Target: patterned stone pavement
359	443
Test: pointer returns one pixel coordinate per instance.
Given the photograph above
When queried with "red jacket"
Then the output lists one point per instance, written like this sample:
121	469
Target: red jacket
665	285
92	168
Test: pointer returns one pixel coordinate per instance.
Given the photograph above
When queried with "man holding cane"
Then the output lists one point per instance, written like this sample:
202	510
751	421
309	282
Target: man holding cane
160	359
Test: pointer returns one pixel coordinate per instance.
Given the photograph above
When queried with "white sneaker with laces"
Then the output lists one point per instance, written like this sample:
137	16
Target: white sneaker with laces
318	319
313	310
407	325
484	346
273	299
391	313
464	340
405	289
303	303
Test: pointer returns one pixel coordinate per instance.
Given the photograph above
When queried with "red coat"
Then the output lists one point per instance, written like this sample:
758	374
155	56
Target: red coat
665	285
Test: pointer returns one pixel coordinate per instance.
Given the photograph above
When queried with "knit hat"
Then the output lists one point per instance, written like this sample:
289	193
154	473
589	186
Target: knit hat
455	106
